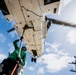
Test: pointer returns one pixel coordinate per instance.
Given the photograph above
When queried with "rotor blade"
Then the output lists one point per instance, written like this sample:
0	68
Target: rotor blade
72	70
73	63
58	22
11	30
74	56
63	23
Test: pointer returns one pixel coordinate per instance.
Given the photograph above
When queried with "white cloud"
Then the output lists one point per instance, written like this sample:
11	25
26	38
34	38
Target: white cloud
31	68
55	60
13	34
2	56
11	47
71	36
52	47
2	38
63	4
40	71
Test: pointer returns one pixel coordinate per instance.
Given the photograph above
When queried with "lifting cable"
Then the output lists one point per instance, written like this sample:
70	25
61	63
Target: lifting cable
24	28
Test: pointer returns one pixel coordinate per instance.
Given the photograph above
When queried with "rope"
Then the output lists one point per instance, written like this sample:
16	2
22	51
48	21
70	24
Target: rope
21	43
14	69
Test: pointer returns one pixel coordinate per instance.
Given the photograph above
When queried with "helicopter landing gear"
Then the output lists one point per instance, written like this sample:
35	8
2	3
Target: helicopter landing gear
33	60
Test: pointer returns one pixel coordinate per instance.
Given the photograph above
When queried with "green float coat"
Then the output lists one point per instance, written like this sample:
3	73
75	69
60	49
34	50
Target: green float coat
14	54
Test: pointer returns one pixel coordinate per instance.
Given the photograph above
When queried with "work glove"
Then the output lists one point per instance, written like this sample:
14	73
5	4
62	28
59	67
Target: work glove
18	59
21	37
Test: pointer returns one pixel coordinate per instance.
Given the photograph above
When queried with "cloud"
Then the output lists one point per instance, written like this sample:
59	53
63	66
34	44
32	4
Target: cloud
31	68
2	56
55	60
2	38
63	4
40	71
11	47
13	34
71	36
52	47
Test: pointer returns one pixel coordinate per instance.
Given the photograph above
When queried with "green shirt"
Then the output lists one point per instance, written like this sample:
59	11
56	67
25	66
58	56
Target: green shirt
14	54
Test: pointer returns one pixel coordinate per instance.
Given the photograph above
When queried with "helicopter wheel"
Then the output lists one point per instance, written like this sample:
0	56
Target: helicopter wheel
33	60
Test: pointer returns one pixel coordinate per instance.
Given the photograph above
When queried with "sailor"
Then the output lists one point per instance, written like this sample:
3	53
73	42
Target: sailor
13	59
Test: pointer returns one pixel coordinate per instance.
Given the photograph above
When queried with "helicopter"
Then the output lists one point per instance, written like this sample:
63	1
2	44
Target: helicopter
28	14
31	21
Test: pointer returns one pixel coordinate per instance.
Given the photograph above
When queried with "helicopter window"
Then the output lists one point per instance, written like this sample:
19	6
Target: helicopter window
50	1
55	10
3	8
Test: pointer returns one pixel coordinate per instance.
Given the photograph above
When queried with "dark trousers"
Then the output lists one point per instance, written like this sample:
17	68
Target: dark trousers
8	66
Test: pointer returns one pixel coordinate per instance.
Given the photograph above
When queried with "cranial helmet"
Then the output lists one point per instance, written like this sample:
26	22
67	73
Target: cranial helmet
24	48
